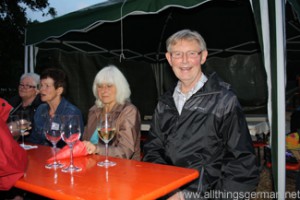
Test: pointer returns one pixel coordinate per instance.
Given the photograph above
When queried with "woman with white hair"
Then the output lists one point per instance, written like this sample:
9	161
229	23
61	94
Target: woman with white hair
112	94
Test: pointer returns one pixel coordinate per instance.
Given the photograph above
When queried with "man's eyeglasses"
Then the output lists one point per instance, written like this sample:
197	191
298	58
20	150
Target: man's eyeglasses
189	54
26	86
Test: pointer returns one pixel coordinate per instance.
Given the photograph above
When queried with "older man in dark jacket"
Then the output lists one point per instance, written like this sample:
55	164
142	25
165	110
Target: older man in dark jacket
199	124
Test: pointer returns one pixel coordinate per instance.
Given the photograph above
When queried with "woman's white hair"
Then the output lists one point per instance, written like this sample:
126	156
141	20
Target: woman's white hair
112	75
35	77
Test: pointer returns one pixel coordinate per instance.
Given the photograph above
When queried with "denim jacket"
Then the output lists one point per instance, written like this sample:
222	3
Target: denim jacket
37	136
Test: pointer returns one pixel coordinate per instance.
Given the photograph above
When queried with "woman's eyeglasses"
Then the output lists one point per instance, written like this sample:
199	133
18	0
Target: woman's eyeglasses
26	86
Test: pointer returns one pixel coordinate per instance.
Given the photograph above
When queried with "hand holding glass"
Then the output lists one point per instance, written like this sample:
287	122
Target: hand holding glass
70	133
106	131
53	134
14	126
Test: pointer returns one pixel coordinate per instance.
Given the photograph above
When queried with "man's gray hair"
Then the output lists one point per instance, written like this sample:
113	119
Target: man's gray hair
185	34
35	77
112	75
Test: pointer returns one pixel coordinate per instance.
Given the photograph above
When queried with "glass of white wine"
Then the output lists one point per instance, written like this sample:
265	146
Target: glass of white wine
14	126
24	123
106	131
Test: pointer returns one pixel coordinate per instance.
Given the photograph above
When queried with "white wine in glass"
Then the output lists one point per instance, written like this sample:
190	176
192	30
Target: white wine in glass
24	123
14	126
106	131
106	134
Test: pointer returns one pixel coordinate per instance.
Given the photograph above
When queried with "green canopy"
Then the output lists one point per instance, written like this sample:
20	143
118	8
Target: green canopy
138	29
93	16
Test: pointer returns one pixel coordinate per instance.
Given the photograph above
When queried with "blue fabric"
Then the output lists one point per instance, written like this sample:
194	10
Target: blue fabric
95	138
41	115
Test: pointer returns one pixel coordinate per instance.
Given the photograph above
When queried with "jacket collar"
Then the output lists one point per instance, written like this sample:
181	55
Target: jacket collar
212	85
60	108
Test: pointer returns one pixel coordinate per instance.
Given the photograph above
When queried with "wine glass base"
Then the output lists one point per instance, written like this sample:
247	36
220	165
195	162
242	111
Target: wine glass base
71	169
26	147
54	165
106	163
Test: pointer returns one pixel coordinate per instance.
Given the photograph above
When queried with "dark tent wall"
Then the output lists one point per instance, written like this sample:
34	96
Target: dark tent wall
247	76
82	68
244	72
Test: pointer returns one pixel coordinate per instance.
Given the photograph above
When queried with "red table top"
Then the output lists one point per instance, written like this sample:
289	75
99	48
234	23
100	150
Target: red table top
127	180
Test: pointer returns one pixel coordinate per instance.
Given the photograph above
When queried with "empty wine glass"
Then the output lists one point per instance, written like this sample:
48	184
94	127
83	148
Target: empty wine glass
106	131
14	126
70	133
53	134
24	122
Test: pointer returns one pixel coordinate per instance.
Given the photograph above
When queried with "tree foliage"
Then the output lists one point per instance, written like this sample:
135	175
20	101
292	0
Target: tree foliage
13	21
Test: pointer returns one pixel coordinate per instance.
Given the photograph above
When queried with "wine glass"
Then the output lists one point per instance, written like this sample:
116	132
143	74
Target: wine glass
106	131
24	122
70	133
53	134
14	126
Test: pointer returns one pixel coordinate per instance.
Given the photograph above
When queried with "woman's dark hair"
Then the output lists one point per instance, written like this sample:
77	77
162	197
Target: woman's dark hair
59	77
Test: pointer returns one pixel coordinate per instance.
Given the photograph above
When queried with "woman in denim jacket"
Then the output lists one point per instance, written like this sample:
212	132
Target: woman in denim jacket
52	89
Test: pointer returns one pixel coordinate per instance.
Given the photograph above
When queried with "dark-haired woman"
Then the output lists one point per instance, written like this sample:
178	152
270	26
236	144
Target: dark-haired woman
52	90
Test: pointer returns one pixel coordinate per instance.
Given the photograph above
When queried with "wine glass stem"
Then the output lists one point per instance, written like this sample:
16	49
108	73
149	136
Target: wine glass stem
106	152
54	148
23	139
71	153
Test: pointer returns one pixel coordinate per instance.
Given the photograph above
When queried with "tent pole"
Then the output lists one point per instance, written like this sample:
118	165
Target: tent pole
25	53
281	63
271	22
31	58
122	56
265	29
26	59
